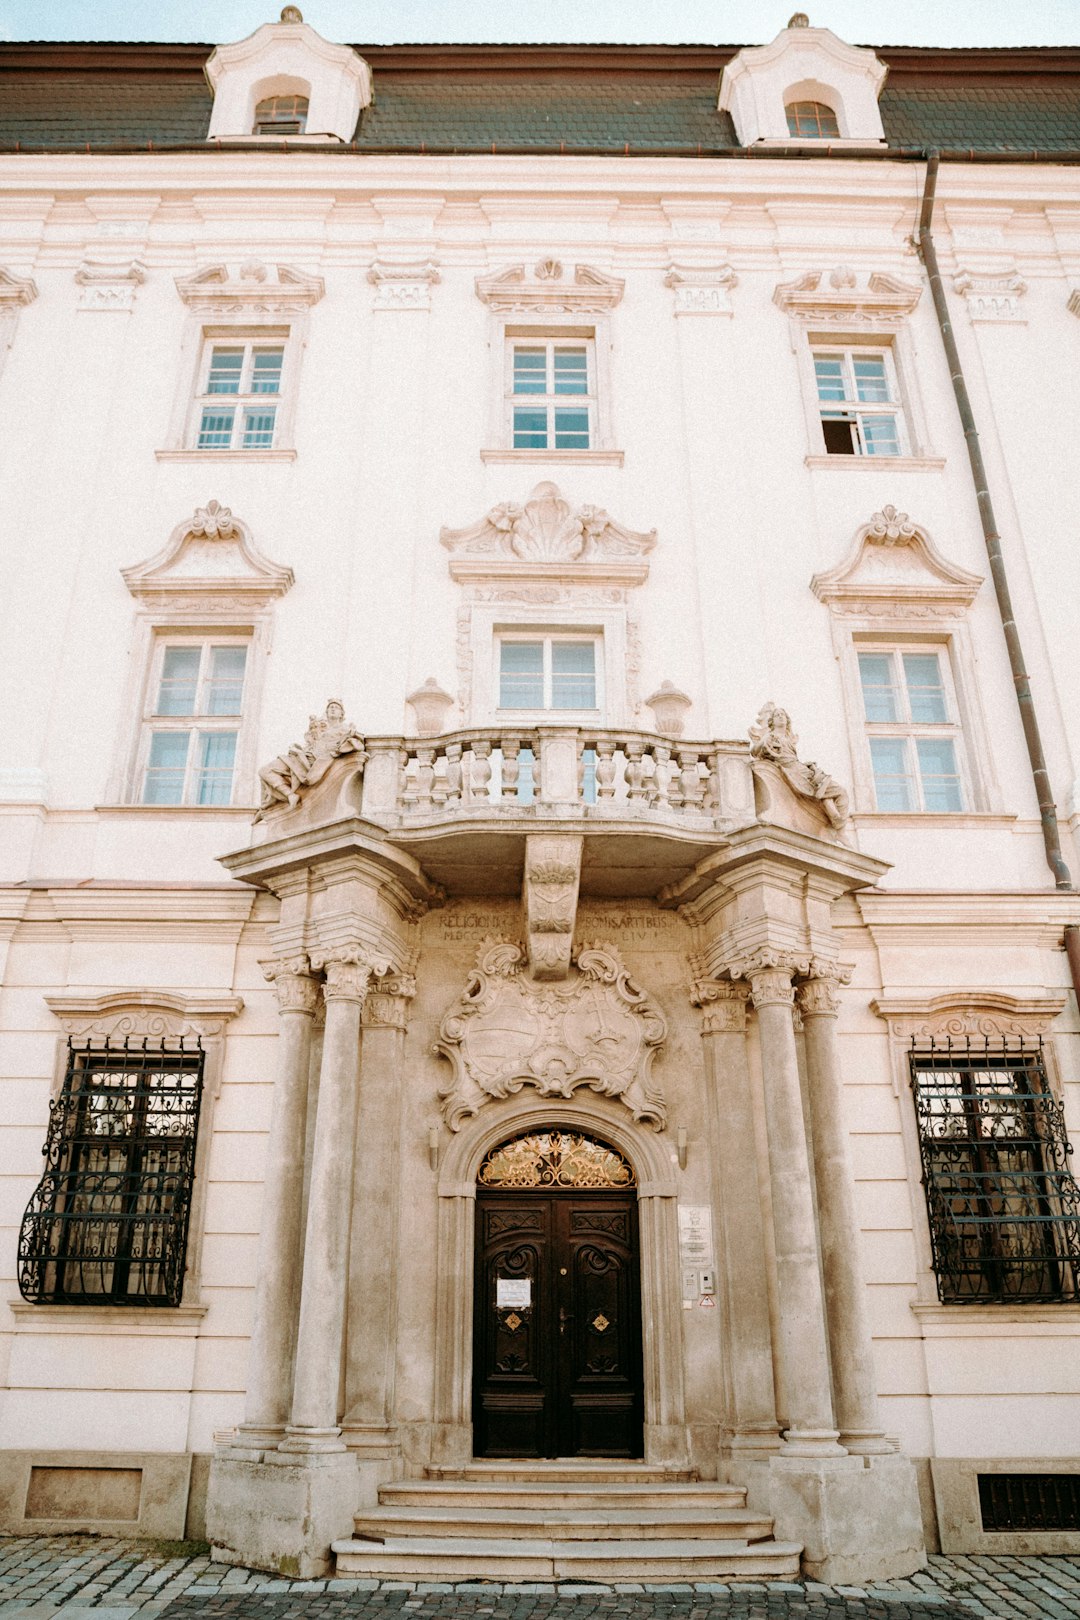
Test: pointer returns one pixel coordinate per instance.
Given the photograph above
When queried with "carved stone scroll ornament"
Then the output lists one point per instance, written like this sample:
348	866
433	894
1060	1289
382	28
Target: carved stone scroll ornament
552	874
287	777
773	743
598	1029
547	529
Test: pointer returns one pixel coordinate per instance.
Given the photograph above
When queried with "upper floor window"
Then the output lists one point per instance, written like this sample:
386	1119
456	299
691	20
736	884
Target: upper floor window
281	115
192	727
858	401
1003	1208
551	393
811	118
108	1222
238	395
912	735
548	672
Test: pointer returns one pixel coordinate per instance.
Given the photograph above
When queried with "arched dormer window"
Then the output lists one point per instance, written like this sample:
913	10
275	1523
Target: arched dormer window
811	118
281	115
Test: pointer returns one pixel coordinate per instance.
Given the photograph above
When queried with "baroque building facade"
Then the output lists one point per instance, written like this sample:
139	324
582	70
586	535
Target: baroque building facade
542	1122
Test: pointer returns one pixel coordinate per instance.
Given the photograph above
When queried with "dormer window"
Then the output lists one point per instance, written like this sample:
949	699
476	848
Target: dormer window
281	115
813	119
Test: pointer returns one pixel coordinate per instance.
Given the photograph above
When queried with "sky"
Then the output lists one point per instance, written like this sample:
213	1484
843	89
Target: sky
377	22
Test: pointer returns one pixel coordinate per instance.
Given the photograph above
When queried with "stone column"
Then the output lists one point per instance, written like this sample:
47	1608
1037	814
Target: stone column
804	1357
850	1347
742	1244
371	1334
313	1425
277	1287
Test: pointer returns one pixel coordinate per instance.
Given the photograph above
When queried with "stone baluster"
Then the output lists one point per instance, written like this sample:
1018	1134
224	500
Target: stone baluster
803	1348
850	1341
313	1425
425	775
712	785
690	784
752	1419
510	747
605	768
636	789
453	773
277	1285
661	788
480	769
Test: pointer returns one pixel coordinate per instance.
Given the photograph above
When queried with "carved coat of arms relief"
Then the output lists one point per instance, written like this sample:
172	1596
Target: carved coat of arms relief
595	1029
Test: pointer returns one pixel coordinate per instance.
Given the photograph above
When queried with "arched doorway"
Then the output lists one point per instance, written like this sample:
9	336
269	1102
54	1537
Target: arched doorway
557	1349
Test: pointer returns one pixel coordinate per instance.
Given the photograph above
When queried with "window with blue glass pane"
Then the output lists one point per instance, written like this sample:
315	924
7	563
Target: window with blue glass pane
940	777
573	675
857	401
225	683
179	681
912	735
571	430
530	371
521	675
530	429
894	787
548	372
266	371
226	370
571	371
258	429
166	768
247	373
214	776
216	430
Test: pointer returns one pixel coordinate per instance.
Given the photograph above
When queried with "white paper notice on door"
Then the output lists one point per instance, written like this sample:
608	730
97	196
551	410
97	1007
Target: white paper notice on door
513	1293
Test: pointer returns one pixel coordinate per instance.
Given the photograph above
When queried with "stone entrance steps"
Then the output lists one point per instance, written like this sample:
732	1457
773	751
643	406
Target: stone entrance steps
564	1521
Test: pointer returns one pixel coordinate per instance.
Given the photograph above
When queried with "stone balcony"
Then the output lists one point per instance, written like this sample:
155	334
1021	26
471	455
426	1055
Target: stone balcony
647	807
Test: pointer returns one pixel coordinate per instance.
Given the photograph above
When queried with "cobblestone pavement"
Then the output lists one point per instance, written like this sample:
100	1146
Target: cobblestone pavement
101	1578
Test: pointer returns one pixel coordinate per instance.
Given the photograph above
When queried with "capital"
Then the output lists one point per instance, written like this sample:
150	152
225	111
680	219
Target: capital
348	973
769	972
295	987
819	992
387	1003
723	1005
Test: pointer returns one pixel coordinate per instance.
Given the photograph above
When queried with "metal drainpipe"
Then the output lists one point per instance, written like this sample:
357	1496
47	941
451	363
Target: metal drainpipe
924	241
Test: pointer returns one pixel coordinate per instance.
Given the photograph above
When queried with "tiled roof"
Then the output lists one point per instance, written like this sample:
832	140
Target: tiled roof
549	99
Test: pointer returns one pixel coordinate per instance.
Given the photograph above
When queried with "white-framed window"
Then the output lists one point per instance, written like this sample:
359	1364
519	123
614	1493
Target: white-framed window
811	118
281	115
550	392
238	394
859	401
540	673
912	732
192	720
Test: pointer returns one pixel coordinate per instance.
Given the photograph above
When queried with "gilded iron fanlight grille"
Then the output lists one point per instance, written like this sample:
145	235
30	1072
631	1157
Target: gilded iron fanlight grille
555	1159
1004	1207
108	1221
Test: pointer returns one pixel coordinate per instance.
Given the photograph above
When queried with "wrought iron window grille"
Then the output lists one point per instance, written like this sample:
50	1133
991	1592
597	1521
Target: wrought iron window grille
1003	1205
108	1221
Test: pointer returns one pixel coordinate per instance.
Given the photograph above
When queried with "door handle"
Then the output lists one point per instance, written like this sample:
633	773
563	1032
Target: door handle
564	1317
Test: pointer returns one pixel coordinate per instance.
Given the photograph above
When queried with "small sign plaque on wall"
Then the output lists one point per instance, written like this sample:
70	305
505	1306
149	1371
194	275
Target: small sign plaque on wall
513	1293
695	1236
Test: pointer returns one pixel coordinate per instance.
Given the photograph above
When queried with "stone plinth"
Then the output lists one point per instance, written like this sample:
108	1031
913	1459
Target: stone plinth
280	1511
858	1518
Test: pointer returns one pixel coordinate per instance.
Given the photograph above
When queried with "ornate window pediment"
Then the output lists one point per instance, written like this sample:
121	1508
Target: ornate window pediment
548	291
895	571
834	298
252	294
210	563
596	1029
287	58
804	64
547	538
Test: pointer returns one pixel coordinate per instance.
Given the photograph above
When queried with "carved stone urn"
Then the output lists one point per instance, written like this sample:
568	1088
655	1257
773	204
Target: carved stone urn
431	705
669	707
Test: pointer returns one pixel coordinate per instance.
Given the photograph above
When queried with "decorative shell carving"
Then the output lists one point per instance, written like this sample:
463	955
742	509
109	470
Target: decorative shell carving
547	529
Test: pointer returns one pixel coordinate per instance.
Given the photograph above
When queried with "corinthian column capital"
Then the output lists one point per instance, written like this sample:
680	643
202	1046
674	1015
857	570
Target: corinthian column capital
769	972
723	1006
348	972
819	992
295	987
387	1003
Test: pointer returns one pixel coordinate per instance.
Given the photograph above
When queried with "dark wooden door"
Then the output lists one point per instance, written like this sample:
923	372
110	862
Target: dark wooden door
557	1345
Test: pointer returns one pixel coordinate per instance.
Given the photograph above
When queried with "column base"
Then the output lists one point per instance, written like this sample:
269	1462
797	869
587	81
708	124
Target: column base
304	1441
858	1518
868	1442
258	1436
282	1513
812	1443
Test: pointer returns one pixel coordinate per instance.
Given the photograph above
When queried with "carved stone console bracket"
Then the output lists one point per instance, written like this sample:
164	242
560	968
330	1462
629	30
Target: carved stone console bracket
506	1031
550	896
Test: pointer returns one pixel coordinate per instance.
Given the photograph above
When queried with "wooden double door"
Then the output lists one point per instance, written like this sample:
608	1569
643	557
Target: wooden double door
557	1344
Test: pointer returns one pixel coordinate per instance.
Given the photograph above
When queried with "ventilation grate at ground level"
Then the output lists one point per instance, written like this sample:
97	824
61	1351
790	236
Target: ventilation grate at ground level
1030	1501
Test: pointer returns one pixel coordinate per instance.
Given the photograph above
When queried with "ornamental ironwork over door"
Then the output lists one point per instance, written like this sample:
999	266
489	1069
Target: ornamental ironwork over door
557	1351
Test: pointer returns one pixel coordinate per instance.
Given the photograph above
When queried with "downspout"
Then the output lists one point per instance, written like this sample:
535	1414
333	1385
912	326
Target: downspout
924	242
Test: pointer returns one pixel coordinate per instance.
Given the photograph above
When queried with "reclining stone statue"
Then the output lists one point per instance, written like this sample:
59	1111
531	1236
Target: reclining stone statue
304	764
773	742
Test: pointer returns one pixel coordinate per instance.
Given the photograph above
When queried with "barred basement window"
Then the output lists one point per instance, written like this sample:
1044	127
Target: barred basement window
1029	1502
108	1221
1003	1206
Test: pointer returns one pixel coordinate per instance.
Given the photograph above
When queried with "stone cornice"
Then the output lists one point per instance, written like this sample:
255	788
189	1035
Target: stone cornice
895	570
210	557
138	1013
976	1012
251	293
510	292
833	298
